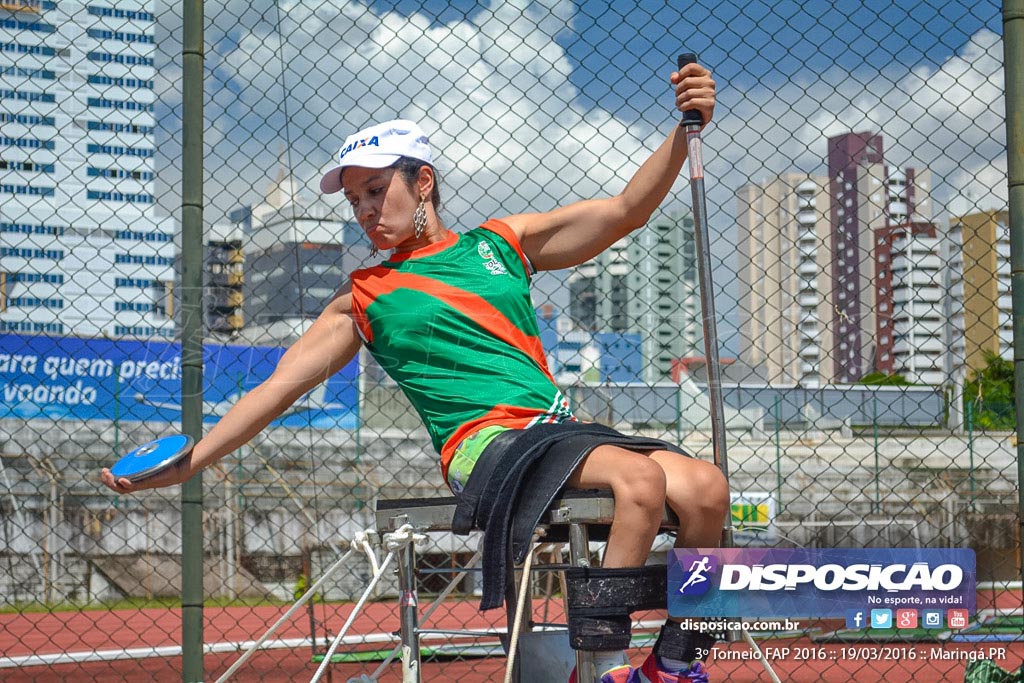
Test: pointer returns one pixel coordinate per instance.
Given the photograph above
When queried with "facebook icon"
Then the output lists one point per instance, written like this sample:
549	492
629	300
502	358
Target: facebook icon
855	619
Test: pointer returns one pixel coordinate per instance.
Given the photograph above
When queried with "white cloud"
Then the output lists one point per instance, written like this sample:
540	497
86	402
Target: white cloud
979	188
496	92
948	118
491	89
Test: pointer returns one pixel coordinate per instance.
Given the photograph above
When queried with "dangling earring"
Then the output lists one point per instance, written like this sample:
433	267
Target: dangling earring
374	251
419	217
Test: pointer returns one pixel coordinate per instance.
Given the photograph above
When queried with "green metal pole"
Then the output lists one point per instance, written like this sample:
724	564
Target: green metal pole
679	415
117	414
1013	72
874	428
240	497
192	335
970	449
778	454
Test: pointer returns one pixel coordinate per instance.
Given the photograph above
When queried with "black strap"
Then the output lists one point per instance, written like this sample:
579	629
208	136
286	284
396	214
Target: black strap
523	496
493	496
465	518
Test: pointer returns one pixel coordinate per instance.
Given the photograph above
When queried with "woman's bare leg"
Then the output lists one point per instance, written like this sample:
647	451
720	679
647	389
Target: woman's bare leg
638	484
698	493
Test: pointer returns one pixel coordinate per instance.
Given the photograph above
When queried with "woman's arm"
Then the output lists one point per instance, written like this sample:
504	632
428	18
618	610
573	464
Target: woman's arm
326	347
573	234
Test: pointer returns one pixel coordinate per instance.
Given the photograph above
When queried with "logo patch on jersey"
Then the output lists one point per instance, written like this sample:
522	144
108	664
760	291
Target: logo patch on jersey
492	264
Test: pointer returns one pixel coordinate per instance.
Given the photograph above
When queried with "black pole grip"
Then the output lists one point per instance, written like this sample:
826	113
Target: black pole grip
690	116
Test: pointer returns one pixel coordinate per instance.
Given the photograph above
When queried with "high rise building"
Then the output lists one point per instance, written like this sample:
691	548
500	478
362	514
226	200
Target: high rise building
881	215
911	311
82	252
783	267
645	283
225	278
856	172
987	308
576	355
841	276
296	252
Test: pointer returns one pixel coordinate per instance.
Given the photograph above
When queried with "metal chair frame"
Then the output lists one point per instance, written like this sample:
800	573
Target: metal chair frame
576	517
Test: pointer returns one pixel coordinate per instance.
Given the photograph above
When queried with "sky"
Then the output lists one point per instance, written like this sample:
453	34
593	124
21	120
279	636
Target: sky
531	105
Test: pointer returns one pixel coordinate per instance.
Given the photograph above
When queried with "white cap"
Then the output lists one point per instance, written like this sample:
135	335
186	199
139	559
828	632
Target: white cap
378	146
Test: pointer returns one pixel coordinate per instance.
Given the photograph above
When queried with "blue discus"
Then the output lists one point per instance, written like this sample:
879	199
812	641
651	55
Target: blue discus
152	457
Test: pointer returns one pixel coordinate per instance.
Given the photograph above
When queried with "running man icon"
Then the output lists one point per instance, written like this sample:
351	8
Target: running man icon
697	572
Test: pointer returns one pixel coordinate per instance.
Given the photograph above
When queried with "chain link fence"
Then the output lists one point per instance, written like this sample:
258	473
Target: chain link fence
858	208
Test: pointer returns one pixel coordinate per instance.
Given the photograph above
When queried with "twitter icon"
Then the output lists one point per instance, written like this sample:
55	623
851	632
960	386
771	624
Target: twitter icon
881	618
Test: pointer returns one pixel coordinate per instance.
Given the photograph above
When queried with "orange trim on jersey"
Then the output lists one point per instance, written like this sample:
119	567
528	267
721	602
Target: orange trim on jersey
513	417
505	231
381	281
429	250
359	316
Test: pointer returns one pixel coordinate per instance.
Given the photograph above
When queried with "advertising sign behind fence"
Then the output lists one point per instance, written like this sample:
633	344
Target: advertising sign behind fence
752	514
72	378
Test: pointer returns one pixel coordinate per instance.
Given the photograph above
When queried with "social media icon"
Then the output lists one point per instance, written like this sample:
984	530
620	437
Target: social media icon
881	618
856	619
957	618
906	618
931	618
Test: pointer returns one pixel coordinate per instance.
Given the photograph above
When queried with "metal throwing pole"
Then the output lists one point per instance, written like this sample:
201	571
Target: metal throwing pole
692	123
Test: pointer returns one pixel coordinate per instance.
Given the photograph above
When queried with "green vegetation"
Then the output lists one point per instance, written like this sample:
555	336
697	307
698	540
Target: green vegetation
880	379
134	603
988	396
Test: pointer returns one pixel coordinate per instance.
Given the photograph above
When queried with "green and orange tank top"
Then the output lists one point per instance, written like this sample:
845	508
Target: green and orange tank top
453	324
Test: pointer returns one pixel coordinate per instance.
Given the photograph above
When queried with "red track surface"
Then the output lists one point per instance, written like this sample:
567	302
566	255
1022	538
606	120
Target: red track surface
59	632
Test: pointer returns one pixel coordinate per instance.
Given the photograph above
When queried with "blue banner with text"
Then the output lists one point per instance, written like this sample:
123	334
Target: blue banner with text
72	378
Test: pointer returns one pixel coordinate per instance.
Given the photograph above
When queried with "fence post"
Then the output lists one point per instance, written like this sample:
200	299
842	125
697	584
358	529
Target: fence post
970	449
1013	73
117	414
679	414
778	454
874	429
192	336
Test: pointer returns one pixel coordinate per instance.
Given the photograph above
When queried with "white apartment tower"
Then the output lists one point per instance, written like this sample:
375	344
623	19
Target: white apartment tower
645	283
911	263
82	253
841	276
919	314
783	261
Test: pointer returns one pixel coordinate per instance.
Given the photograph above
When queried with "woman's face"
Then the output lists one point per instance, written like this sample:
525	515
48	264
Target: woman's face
383	204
